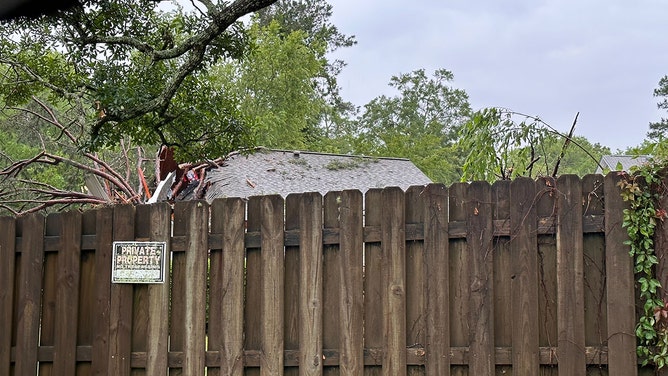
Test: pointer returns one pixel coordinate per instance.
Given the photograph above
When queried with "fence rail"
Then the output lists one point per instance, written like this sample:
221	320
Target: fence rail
525	277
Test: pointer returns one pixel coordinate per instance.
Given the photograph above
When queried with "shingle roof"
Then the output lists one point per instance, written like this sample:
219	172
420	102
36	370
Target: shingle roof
612	162
283	172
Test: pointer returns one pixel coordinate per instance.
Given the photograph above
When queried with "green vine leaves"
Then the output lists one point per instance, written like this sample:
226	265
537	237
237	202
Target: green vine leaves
642	190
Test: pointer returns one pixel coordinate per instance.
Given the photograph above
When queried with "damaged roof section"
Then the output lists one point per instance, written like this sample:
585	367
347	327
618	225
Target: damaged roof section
282	172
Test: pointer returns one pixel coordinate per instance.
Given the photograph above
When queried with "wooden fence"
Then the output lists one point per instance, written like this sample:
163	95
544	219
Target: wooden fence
525	278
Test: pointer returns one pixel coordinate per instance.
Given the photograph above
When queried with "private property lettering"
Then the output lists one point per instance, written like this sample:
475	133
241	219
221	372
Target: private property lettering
139	255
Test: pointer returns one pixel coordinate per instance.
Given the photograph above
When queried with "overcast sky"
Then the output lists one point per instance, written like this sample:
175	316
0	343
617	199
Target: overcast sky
602	58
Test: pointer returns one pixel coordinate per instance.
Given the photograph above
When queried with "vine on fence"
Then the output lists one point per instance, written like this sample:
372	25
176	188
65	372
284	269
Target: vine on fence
643	190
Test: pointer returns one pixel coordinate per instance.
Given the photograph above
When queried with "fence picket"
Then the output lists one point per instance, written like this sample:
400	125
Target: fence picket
351	307
120	314
272	239
502	272
570	273
158	296
226	300
253	311
197	219
374	310
437	290
394	284
479	240
331	281
523	241
101	312
310	284
67	295
460	271
414	281
8	254
30	293
622	359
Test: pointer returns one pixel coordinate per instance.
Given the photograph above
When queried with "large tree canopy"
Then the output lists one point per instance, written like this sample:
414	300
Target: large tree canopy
132	68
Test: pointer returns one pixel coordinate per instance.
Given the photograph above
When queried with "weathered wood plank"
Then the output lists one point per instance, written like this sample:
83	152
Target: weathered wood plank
158	295
86	305
8	254
310	284
414	272
622	358
140	306
67	296
178	309
291	305
436	280
374	309
594	286
351	287
570	273
394	284
546	193
47	331
480	246
460	271
226	301
272	285
525	281
120	313
502	271
196	215
253	314
102	307
29	296
332	261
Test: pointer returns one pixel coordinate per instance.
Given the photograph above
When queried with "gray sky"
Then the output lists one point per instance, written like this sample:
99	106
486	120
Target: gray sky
551	59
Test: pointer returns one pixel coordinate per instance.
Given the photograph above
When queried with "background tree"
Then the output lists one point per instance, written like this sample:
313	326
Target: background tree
274	85
111	74
312	18
421	123
130	68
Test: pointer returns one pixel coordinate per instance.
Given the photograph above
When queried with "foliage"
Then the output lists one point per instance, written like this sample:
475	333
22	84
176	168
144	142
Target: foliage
331	125
503	144
642	191
420	123
274	85
128	68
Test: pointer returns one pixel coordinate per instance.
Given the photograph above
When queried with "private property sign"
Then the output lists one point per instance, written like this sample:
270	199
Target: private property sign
138	262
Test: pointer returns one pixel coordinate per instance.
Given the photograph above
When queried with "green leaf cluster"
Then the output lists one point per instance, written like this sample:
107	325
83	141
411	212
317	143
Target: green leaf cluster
642	191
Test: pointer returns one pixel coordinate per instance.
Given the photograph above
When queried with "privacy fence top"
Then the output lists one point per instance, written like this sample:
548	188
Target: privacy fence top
525	277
